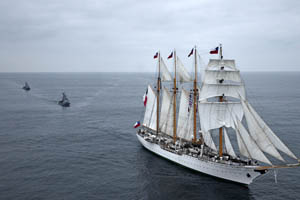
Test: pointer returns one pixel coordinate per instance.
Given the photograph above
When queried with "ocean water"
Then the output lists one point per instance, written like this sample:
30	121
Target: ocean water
90	151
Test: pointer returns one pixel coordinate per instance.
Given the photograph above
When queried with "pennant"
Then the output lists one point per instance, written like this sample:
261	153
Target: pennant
191	53
137	124
215	51
156	55
170	56
145	98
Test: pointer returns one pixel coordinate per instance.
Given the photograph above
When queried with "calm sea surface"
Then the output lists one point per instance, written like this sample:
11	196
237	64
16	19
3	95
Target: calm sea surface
90	151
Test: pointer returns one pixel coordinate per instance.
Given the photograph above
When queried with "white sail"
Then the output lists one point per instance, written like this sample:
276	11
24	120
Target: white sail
164	72
242	146
269	133
150	107
185	117
218	114
166	115
215	90
228	146
217	63
214	76
247	145
165	106
183	74
208	140
153	119
258	134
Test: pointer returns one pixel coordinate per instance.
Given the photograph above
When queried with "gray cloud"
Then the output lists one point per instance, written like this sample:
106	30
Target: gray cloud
92	35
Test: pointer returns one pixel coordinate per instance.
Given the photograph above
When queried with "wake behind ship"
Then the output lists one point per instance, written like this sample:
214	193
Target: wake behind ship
223	111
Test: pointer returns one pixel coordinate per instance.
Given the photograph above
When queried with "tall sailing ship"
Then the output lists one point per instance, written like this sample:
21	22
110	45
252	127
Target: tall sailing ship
185	132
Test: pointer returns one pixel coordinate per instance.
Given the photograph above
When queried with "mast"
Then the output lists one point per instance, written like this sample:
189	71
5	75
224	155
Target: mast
157	98
195	98
174	100
221	128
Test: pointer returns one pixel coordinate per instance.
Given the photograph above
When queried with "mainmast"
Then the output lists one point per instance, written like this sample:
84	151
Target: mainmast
195	98
221	128
157	98
174	100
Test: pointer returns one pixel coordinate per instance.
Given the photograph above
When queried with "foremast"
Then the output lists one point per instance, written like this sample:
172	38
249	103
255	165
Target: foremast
221	128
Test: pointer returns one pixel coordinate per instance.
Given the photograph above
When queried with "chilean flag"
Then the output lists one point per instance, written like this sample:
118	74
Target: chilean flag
145	97
137	124
156	55
215	51
170	56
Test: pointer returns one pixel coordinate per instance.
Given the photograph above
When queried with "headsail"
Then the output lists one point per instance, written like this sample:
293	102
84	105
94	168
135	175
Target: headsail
247	145
260	127
258	134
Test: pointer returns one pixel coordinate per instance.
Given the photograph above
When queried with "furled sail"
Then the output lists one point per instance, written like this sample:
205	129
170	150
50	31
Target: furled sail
215	90
164	72
185	117
166	120
263	129
208	140
247	145
218	114
228	146
150	113
183	74
214	76
258	134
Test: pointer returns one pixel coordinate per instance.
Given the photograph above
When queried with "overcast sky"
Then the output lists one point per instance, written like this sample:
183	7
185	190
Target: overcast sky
123	35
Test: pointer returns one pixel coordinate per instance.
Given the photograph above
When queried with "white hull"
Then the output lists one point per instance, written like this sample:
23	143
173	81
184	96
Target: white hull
239	174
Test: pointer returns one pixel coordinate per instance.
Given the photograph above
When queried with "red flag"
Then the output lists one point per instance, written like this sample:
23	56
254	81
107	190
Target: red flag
156	55
215	51
145	98
191	53
170	56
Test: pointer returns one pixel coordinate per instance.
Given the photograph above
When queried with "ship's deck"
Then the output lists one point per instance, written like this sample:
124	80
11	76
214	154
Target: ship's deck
188	148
